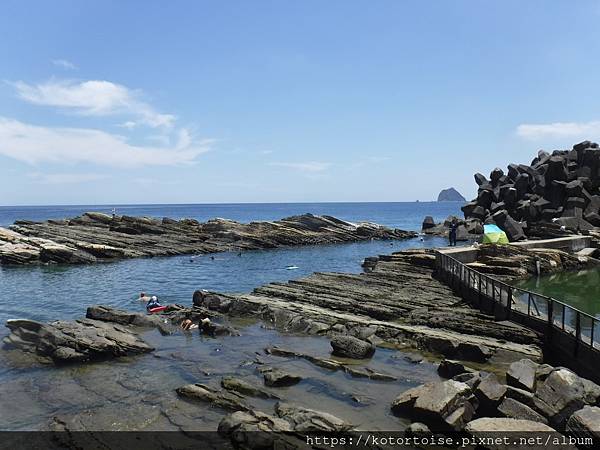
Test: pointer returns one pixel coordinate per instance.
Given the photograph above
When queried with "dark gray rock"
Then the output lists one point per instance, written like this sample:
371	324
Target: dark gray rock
559	396
428	223
585	424
243	387
279	378
449	368
214	397
516	410
352	347
304	420
490	392
76	341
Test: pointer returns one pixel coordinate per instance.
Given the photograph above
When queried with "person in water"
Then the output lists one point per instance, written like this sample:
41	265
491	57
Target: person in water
144	297
452	232
153	303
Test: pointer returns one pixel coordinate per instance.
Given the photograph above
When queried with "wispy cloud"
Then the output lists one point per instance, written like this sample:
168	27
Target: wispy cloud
37	144
579	130
94	98
64	64
66	178
309	166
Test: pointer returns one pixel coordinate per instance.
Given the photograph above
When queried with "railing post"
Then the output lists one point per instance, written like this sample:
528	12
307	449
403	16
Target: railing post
550	319
577	333
509	302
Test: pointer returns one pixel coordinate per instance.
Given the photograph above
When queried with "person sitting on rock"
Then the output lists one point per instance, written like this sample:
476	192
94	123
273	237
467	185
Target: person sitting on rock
452	232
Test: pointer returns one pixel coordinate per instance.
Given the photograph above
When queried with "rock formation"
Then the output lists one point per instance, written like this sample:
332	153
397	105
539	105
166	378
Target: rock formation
395	302
74	341
557	192
95	237
470	229
450	195
537	397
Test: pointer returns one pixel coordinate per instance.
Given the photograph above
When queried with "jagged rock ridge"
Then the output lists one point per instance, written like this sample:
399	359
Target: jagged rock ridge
95	237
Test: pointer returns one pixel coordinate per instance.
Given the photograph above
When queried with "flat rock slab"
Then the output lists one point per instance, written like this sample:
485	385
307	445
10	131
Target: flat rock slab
75	341
521	374
221	399
585	423
279	378
500	426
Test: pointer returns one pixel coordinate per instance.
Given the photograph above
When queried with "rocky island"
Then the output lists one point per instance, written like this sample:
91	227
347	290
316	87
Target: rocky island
95	237
450	195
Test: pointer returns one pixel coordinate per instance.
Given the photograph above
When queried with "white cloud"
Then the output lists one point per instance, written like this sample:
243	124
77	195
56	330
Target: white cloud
67	178
37	144
579	130
64	64
310	166
94	98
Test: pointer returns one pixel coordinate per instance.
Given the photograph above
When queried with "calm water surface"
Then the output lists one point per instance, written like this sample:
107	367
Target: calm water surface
138	393
579	289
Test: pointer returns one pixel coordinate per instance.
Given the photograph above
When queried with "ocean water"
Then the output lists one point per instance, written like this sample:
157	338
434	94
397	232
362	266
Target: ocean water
107	395
405	215
61	292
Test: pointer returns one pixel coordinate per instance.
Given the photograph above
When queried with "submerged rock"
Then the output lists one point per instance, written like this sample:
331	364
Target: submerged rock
352	347
279	378
206	394
306	420
243	387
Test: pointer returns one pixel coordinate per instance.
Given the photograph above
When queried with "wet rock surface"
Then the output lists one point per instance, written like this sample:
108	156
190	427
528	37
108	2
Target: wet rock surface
96	237
397	301
74	341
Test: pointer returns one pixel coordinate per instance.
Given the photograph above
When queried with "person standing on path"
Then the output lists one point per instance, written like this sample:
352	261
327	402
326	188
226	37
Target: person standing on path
452	232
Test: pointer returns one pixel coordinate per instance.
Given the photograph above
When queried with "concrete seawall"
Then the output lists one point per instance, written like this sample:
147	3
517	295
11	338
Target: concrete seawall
569	244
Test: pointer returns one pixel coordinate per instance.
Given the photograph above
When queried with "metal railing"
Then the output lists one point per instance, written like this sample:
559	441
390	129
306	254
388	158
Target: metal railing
539	312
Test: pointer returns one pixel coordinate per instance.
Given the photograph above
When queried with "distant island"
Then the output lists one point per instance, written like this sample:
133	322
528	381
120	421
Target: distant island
450	195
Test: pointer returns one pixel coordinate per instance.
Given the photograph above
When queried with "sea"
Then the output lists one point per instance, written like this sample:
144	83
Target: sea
139	392
63	292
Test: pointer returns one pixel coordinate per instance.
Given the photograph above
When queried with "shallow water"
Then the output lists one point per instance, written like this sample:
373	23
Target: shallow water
62	292
138	393
579	289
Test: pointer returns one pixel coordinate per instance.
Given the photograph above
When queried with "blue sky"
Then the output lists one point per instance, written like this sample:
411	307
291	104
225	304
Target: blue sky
275	101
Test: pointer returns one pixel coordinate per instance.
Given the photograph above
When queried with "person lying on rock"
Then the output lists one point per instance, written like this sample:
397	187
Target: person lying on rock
187	324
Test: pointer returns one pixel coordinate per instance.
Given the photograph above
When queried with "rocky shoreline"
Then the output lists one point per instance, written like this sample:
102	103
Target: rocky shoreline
494	374
95	237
